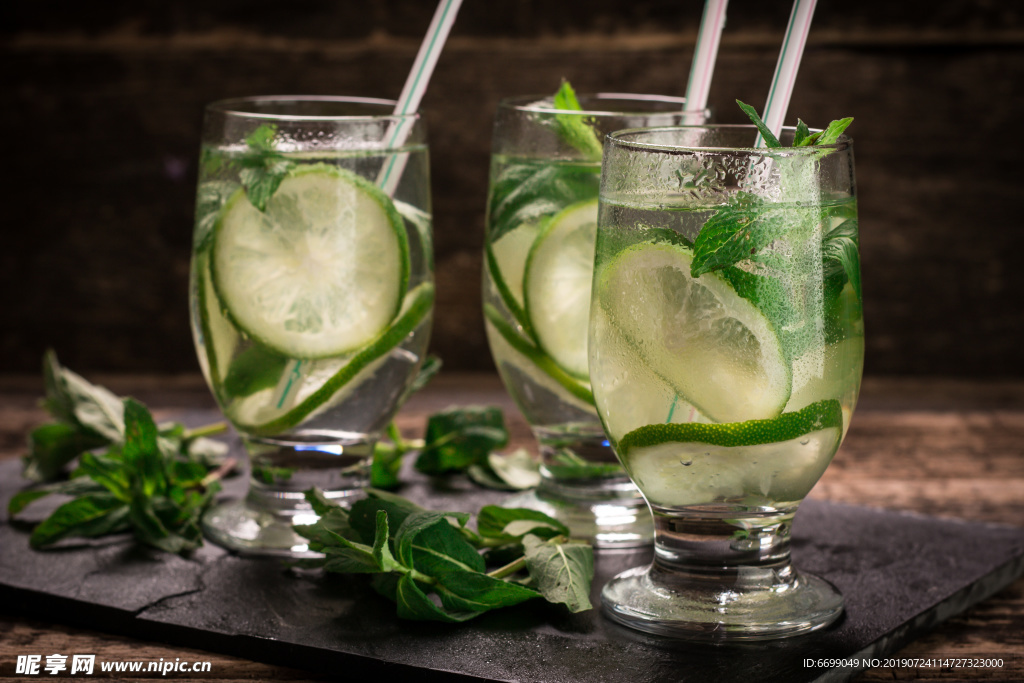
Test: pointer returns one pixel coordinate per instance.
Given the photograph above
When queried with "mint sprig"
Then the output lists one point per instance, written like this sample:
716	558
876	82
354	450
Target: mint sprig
261	168
431	564
135	485
88	417
803	136
577	131
747	224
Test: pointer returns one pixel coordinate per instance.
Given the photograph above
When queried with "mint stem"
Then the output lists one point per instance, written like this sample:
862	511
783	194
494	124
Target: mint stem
207	430
508	569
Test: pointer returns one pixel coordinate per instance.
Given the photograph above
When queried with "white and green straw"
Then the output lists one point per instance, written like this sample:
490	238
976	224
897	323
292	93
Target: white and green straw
785	70
708	39
408	102
415	87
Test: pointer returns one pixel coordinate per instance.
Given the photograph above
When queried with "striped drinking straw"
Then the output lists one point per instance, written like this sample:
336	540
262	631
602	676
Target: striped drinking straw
415	87
708	39
785	70
408	102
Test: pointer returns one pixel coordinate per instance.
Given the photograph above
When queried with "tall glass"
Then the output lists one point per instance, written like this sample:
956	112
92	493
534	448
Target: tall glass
539	252
311	295
726	349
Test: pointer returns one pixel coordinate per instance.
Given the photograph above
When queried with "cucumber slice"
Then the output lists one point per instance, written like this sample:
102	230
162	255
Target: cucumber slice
715	348
753	462
557	283
321	272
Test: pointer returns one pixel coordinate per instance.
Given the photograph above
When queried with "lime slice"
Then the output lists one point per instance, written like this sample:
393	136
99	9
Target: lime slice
550	373
631	395
321	272
215	333
506	263
757	461
557	283
251	414
715	348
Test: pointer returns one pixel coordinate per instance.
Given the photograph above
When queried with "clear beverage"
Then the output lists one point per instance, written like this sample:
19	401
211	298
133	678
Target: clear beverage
311	298
539	254
726	351
655	362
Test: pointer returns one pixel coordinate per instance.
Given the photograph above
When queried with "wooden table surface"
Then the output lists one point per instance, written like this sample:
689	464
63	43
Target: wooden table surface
948	448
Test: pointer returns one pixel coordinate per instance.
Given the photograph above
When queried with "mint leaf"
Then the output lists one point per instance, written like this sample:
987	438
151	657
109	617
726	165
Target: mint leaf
261	168
522	193
461	436
516	471
737	231
577	131
508	525
840	251
561	571
53	445
432	558
834	130
568	465
769	138
414	604
140	452
91	515
253	370
363	515
802	133
462	592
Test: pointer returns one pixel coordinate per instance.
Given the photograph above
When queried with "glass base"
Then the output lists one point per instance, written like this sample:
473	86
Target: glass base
605	522
282	471
751	605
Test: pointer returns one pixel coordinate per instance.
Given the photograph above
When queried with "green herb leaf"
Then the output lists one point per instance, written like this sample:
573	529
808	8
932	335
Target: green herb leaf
577	131
462	592
140	451
253	370
522	193
52	446
769	138
91	515
414	604
802	133
508	525
363	515
840	250
429	543
562	572
519	470
834	130
737	231
461	436
262	168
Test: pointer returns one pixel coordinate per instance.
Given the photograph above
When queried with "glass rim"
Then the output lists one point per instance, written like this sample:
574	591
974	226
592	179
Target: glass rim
532	103
233	106
616	138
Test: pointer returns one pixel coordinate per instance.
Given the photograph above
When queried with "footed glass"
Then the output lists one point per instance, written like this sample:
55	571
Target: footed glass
539	254
311	295
726	350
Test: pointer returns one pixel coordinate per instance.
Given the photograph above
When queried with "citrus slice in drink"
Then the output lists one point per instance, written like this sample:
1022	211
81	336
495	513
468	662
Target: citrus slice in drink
506	263
774	460
715	348
557	282
321	272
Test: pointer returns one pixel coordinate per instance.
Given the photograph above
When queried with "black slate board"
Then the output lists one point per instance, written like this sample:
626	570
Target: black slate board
901	574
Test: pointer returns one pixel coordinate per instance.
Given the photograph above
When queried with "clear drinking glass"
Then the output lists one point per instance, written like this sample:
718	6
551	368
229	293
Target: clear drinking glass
539	253
726	349
311	295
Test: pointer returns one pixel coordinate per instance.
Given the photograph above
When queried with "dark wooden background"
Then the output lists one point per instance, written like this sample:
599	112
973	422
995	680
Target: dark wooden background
102	104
